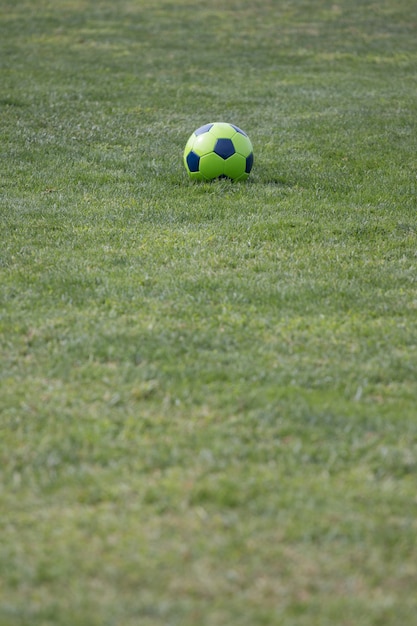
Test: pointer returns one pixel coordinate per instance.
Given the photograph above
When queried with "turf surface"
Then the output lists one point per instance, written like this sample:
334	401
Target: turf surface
208	391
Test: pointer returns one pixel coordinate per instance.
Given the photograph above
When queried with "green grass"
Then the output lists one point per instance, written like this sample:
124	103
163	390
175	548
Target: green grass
208	391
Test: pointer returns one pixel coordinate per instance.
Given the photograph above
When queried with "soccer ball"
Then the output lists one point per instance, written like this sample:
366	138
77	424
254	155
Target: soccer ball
218	150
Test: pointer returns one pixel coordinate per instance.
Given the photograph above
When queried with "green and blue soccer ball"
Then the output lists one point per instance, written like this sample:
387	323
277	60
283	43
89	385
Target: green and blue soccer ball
218	150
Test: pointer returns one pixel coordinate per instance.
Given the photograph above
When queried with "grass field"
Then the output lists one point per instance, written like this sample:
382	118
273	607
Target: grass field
208	390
